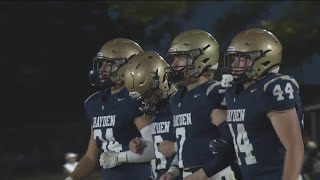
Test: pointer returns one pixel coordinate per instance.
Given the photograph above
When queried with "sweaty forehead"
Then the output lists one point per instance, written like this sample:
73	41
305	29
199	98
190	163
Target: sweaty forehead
182	58
241	56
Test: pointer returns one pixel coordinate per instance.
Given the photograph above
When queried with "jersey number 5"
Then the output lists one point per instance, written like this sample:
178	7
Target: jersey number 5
163	161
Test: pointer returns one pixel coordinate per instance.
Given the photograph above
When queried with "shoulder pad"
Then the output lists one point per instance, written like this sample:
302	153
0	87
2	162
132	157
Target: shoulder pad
91	96
212	86
134	94
280	79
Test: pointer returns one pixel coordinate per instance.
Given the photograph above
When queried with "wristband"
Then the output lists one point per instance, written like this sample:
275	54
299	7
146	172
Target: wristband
174	170
122	157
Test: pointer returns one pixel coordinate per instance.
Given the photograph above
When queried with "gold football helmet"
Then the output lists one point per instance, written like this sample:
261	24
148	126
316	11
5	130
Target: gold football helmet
114	54
199	50
145	75
260	47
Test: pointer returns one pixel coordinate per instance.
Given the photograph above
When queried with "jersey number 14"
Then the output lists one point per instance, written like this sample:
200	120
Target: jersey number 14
242	143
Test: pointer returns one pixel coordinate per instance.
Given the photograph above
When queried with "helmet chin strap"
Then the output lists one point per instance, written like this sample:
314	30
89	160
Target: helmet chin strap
250	74
114	78
188	81
116	86
193	77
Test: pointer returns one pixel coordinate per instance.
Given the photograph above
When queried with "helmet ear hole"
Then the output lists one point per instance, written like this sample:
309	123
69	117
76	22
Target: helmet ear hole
266	63
142	82
164	78
205	60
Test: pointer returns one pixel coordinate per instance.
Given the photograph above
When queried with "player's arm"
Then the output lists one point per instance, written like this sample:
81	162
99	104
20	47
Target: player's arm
217	117
224	152
167	148
143	124
223	148
287	127
112	159
282	94
142	120
174	170
88	162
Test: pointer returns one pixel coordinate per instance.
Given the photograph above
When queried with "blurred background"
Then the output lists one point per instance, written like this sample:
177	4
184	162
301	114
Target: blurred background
47	50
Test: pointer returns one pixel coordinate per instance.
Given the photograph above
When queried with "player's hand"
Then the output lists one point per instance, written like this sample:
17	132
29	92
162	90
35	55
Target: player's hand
109	160
167	148
219	146
136	145
198	175
167	176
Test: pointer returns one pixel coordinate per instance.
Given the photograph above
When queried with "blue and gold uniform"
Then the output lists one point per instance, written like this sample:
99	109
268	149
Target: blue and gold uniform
259	151
112	121
162	130
191	121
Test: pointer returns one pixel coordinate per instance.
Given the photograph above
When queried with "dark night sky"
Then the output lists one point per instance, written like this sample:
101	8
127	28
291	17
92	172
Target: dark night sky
47	50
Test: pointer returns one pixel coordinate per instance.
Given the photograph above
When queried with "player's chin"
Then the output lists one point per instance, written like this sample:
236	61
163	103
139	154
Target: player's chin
104	76
147	98
237	72
178	68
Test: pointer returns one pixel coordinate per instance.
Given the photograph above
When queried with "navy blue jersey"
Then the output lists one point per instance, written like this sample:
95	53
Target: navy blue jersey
191	121
162	129
259	151
112	121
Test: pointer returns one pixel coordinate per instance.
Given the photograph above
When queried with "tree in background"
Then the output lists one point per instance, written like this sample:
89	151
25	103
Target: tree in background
297	28
150	22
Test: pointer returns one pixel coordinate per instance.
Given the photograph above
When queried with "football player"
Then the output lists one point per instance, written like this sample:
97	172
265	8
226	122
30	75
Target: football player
194	58
114	117
145	75
264	108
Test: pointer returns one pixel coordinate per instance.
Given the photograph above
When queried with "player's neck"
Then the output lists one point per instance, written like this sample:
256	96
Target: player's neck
252	81
199	81
249	83
115	90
